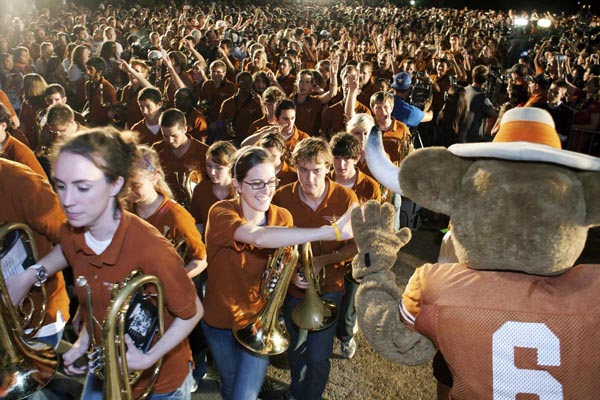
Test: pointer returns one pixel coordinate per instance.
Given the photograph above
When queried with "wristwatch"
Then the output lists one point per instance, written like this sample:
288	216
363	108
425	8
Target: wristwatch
41	274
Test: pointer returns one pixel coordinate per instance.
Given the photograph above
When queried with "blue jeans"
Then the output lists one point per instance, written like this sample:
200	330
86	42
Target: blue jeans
241	371
347	315
309	361
93	390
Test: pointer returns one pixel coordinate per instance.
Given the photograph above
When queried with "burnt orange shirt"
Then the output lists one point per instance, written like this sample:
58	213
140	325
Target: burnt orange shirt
175	222
27	117
203	199
259	123
336	202
215	96
196	123
97	97
364	96
287	174
136	245
146	135
27	197
334	118
175	167
292	141
510	333
14	150
170	88
235	269
132	108
287	83
5	100
242	113
365	187
308	115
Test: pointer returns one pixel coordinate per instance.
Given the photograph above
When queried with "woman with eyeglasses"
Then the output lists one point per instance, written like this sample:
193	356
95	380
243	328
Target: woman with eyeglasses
240	235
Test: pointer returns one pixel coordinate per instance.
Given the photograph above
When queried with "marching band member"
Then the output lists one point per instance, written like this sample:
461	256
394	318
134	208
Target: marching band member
346	150
152	200
238	234
315	201
27	197
104	244
218	186
179	152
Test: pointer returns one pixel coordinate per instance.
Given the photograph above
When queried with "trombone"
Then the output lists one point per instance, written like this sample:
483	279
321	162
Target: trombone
26	366
313	313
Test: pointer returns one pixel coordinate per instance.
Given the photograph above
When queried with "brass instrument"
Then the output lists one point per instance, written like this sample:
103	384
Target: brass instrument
26	365
109	361
266	334
189	181
313	313
229	130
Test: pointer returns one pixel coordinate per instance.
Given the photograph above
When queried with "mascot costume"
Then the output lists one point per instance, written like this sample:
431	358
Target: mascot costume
514	318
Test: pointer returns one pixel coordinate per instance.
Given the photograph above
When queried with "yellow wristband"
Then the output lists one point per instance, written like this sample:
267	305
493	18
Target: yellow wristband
338	234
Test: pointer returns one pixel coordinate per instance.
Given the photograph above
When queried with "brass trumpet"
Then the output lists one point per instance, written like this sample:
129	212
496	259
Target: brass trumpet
266	334
313	313
109	361
26	366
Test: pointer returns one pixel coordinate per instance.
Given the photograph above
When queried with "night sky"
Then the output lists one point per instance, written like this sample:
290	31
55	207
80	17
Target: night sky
570	6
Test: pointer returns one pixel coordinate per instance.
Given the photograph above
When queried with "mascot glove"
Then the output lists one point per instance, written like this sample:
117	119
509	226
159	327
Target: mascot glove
376	240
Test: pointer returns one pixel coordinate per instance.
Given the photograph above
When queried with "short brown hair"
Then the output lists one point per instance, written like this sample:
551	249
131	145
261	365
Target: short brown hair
312	149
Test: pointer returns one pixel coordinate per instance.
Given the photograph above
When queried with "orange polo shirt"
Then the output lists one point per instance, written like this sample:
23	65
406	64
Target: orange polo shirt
132	108
136	245
292	141
14	150
203	199
235	269
287	174
365	187
334	118
215	96
308	115
242	113
27	197
196	123
6	101
145	135
175	167
96	97
175	222
336	202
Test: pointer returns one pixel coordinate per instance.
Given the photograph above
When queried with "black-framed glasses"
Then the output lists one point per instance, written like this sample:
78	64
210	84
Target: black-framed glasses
261	185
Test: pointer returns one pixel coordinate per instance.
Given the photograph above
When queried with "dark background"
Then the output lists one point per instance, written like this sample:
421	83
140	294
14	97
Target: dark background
567	6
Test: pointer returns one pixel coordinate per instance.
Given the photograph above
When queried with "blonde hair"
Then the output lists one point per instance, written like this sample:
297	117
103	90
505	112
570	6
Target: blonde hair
360	120
147	160
314	149
34	85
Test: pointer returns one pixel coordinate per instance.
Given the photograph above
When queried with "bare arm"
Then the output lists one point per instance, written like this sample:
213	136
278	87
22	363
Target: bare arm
275	236
19	285
259	134
124	66
333	84
174	75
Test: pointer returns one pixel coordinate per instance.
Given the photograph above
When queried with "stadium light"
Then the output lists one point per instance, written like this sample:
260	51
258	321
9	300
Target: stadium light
520	21
544	23
412	2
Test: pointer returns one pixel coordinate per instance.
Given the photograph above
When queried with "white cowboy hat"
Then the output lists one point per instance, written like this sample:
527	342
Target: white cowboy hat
527	134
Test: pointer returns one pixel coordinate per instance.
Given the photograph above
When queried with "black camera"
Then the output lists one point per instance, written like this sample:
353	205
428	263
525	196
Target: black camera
421	93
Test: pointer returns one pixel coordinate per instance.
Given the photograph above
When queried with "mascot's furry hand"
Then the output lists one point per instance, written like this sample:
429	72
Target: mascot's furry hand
378	296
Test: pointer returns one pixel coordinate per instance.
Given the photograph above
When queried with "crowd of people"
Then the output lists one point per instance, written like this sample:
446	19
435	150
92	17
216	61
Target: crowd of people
192	140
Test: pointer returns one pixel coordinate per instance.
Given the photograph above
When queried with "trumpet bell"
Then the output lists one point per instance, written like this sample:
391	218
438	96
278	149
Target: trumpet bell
315	315
261	341
33	369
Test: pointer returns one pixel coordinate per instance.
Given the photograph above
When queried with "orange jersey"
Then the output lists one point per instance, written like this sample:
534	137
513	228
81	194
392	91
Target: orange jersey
508	334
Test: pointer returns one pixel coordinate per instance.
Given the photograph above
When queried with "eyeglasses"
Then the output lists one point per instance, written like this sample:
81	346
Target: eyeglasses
261	185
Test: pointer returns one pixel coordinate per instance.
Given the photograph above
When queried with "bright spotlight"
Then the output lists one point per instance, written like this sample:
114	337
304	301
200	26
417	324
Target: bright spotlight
520	21
544	23
412	2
